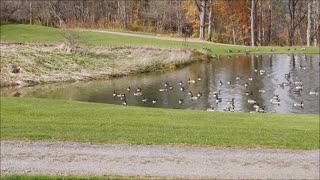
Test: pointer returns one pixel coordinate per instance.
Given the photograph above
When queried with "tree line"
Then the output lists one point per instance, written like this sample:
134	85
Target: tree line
243	22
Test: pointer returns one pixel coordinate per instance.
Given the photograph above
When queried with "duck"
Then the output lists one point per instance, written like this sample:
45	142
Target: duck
129	89
220	83
144	100
182	88
180	101
252	101
298	104
211	109
191	81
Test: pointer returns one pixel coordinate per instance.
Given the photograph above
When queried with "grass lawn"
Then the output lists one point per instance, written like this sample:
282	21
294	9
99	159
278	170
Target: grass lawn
41	34
60	120
46	177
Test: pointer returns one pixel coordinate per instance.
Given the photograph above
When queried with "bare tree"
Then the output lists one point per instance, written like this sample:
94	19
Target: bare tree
252	23
309	23
210	24
202	11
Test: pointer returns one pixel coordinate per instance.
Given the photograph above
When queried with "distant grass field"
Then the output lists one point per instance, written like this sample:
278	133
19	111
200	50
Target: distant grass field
47	177
40	34
58	120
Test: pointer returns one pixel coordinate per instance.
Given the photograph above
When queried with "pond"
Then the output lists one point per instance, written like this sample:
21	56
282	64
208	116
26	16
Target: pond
267	83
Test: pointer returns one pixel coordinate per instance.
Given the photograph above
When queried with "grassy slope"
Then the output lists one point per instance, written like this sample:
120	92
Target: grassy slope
47	177
40	34
41	119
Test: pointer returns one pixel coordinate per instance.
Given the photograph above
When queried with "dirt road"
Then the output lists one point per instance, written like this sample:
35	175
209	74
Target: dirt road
158	161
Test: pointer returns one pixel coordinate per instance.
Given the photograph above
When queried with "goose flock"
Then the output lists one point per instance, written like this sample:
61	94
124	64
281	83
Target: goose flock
296	87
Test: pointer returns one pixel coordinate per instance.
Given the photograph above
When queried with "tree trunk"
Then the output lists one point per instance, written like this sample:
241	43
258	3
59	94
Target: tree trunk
309	24
270	22
210	26
203	20
233	35
252	23
30	11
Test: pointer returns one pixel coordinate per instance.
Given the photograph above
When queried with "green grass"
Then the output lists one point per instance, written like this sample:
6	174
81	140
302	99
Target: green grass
59	120
40	34
46	177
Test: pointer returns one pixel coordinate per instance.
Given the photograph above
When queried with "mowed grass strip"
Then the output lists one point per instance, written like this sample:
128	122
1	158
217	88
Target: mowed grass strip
40	34
60	120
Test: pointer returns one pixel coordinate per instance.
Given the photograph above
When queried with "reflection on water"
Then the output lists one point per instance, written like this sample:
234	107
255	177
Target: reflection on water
267	73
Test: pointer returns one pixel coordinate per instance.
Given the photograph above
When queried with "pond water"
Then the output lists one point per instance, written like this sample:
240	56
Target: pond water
269	73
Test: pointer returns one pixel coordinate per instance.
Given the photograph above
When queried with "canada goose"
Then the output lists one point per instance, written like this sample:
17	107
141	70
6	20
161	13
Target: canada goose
276	97
218	100
180	83
190	93
181	88
252	101
262	91
247	51
199	94
138	93
166	84
297	83
194	97
138	89
170	87
114	94
299	87
230	102
250	79
210	109
275	101
248	93
215	94
315	92
124	102
268	74
121	95
287	75
262	71
260	109
298	104
229	82
154	101
229	51
220	83
199	79
296	91
144	100
162	90
255	70
180	101
191	81
303	67
129	89
256	106
237	78
246	84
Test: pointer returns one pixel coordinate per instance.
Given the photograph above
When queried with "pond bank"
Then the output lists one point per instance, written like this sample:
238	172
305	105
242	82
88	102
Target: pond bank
32	64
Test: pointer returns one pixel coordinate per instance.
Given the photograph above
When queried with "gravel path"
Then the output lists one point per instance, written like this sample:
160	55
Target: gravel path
67	158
